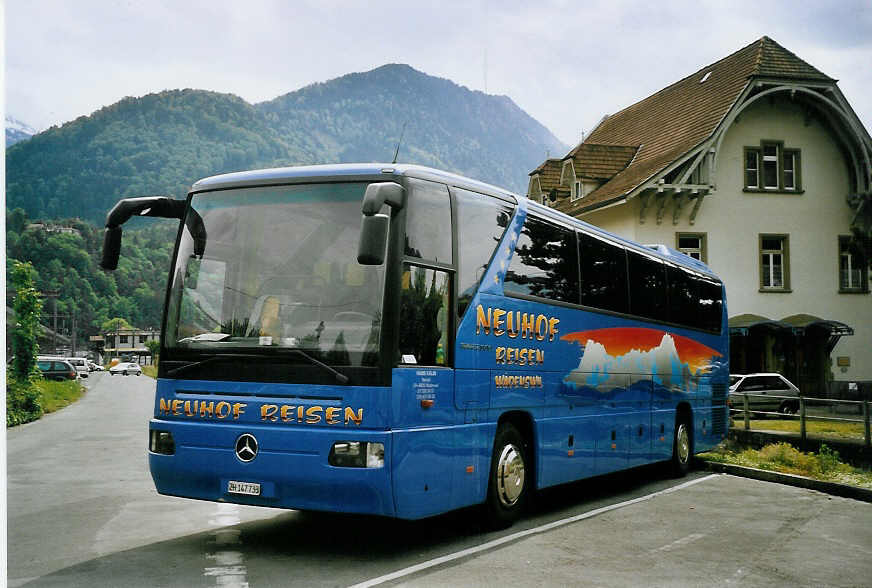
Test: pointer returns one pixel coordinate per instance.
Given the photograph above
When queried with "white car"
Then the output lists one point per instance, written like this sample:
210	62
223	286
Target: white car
766	392
81	365
125	369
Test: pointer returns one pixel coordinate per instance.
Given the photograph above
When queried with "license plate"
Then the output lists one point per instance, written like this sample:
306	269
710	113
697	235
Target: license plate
248	488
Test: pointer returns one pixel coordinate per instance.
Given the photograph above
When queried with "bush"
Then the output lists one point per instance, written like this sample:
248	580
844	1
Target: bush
23	402
828	459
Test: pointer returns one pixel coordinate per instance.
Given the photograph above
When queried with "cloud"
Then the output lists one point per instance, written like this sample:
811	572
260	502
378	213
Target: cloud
565	63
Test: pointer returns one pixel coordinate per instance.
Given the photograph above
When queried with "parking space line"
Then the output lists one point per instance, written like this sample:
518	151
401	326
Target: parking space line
522	534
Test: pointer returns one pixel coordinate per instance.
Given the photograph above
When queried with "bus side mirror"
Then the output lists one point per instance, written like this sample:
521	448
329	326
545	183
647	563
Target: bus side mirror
381	193
374	225
373	239
111	248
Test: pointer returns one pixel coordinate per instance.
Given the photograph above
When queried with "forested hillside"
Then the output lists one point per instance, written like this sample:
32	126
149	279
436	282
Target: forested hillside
67	262
361	116
157	144
161	143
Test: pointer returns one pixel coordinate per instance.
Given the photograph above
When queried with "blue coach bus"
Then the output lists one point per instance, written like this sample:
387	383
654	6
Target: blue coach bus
401	341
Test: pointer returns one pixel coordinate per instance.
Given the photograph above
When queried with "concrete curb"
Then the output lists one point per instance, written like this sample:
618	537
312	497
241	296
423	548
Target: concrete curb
833	488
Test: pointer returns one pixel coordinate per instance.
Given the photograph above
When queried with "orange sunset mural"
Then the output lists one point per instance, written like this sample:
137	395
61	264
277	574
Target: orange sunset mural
628	350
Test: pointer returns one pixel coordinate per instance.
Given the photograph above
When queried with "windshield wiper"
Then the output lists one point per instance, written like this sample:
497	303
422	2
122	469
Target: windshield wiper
340	377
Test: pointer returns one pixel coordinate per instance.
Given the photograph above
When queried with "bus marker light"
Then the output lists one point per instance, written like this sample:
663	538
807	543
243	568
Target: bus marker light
614	445
426	402
470	469
571	452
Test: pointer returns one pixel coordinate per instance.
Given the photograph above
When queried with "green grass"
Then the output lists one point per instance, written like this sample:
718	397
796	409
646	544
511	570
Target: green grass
56	395
784	458
834	429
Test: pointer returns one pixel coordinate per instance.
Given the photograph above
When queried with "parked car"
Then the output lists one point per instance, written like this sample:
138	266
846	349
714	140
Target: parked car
766	392
56	369
81	365
95	367
125	368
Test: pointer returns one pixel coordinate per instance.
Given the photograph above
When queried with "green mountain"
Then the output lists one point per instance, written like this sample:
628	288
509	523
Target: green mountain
161	143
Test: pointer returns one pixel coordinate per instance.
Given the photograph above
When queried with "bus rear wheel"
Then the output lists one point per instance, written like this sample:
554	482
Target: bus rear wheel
682	452
509	480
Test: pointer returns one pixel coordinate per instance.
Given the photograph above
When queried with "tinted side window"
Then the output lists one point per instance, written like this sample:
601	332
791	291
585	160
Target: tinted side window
684	306
545	262
647	287
603	274
711	305
428	221
481	222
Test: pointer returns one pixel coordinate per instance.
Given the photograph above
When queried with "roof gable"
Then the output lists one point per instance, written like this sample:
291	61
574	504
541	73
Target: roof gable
675	120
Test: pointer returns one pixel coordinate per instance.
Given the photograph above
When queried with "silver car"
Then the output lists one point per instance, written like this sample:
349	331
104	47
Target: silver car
766	392
125	368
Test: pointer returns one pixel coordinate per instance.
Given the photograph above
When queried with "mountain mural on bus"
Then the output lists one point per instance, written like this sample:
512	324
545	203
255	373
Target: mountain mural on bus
610	355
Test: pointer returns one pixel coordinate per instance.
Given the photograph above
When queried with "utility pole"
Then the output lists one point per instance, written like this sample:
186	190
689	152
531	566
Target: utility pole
53	294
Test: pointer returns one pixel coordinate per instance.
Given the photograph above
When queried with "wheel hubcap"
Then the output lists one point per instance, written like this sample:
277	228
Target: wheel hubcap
510	475
682	444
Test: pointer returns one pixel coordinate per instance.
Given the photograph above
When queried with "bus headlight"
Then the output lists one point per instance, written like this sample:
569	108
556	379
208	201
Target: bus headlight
357	454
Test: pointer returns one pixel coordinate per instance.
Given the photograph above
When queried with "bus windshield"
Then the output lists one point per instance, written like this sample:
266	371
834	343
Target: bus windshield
279	272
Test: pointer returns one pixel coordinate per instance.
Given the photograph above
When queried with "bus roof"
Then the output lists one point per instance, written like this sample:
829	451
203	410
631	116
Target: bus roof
344	172
384	171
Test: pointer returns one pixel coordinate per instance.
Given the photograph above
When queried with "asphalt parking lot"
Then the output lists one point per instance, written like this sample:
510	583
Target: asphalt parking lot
83	512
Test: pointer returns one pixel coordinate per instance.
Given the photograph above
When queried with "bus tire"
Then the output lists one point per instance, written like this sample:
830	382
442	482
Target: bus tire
682	447
509	480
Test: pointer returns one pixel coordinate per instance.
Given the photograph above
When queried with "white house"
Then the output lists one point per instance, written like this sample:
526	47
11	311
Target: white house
747	164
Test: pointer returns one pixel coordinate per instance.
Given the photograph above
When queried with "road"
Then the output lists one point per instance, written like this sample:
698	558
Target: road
83	512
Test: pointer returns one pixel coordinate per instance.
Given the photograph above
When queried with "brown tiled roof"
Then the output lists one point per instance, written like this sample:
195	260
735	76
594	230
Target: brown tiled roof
600	162
670	123
549	175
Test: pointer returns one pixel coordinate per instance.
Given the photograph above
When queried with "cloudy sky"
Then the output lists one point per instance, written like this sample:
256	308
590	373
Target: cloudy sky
565	62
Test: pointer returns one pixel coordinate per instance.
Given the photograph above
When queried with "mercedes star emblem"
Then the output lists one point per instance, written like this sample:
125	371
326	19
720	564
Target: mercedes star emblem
246	447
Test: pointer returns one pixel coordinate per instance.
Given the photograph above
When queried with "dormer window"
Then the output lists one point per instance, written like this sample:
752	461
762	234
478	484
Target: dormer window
577	192
771	168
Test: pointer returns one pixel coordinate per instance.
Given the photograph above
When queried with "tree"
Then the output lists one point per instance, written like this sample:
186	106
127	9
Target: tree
153	348
28	308
115	324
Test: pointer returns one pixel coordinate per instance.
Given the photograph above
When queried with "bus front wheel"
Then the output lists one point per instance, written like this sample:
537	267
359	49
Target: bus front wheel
509	481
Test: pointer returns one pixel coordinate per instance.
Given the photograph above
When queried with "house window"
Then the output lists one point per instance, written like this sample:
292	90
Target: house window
143	338
771	167
852	268
774	263
752	168
691	244
576	193
122	338
790	159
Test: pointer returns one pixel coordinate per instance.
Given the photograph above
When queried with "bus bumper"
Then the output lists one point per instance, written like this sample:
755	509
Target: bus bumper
290	468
